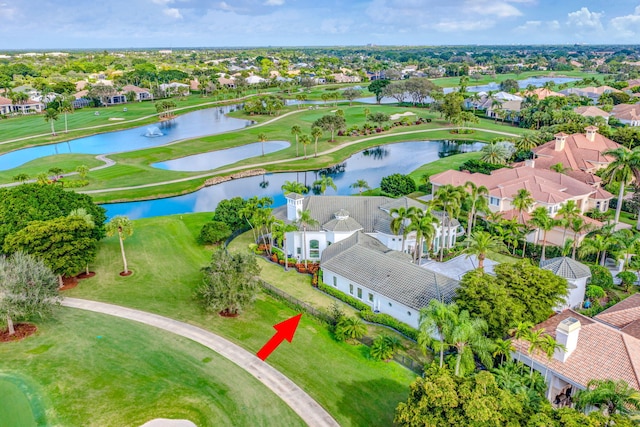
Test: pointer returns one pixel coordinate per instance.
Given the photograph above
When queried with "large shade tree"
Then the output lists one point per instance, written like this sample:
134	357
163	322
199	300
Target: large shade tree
28	288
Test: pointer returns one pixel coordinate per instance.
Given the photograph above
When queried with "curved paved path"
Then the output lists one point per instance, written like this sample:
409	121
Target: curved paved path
274	162
302	404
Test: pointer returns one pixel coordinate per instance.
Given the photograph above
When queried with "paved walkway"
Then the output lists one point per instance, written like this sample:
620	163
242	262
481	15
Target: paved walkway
302	404
274	162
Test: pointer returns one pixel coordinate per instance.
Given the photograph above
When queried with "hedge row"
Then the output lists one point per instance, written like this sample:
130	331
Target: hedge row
370	316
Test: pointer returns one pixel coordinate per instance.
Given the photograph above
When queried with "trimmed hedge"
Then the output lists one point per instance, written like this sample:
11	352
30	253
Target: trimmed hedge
370	316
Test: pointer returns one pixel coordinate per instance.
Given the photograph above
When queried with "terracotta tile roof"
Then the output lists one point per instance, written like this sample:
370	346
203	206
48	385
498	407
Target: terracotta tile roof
602	352
136	89
591	111
626	111
5	101
578	153
623	313
633	82
541	93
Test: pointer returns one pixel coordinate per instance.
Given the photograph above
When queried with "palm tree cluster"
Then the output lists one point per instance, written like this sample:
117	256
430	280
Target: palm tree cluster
306	139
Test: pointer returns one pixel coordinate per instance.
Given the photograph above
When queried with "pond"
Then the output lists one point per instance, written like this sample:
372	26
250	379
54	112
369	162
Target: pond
190	125
493	86
216	159
370	165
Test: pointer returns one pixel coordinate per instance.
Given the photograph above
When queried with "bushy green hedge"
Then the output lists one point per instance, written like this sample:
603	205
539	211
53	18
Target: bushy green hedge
385	319
75	183
479	166
359	305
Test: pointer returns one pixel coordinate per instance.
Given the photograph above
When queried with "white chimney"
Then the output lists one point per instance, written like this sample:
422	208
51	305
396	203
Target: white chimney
591	132
567	334
530	163
560	140
294	205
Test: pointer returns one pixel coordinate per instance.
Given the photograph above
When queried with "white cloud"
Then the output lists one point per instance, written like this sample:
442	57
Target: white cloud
498	9
628	26
585	19
172	12
335	26
162	2
274	3
457	25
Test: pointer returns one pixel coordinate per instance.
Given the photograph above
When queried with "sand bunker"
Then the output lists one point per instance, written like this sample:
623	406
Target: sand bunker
400	115
164	422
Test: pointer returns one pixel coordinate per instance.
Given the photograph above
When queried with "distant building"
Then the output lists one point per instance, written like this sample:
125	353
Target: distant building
628	114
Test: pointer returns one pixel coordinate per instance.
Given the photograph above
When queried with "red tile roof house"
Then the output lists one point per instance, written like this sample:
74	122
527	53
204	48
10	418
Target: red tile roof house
628	114
594	350
549	189
141	93
29	106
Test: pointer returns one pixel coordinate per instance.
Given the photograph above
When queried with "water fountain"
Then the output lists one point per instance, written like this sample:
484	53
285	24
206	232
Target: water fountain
152	132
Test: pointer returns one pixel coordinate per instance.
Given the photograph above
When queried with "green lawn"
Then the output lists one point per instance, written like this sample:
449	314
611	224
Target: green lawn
443	164
485	78
16	410
166	261
97	370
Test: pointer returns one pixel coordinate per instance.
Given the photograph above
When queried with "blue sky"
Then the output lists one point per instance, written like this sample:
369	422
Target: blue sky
60	24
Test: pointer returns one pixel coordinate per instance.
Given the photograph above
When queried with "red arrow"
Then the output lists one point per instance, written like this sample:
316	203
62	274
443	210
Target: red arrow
285	330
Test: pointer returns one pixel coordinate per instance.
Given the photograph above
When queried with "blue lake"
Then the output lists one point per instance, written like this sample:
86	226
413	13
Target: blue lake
215	159
371	165
189	125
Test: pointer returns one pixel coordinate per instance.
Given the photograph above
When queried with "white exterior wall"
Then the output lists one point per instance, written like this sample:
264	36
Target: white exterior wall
380	303
576	296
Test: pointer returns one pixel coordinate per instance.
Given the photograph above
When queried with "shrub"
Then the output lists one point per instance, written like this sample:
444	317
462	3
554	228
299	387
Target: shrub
384	347
479	166
343	297
627	278
601	276
75	183
213	233
385	319
228	211
397	185
594	292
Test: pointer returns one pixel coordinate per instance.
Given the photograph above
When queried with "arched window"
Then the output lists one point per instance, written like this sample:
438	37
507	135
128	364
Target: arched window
314	249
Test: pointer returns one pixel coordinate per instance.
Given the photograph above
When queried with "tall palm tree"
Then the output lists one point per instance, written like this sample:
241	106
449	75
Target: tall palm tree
520	331
549	346
567	213
124	228
262	137
400	222
467	337
360	184
294	187
324	182
536	342
296	131
305	220
316	133
614	396
51	115
540	218
66	107
279	232
503	348
527	142
578	225
522	202
478	197
622	169
448	198
626	243
435	323
305	140
423	223
599	245
480	243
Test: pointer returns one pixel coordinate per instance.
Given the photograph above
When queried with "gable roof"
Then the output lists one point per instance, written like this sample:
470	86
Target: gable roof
365	260
602	352
626	111
566	267
624	315
591	111
541	93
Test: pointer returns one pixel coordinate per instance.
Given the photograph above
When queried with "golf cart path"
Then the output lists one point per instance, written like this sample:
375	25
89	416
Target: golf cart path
302	404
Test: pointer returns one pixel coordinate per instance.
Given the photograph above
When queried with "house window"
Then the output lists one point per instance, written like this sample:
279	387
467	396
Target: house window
494	201
408	313
298	250
370	297
335	282
350	288
390	305
360	293
314	251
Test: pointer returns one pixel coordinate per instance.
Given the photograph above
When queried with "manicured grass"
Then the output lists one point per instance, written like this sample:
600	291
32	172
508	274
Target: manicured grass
15	409
166	262
485	78
443	164
66	162
98	370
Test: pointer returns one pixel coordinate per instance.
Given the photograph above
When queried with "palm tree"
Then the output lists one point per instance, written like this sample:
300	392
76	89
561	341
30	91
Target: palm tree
614	396
83	171
622	169
316	133
295	130
305	140
480	243
536	342
503	348
599	245
540	218
324	182
568	212
400	221
448	198
51	115
351	328
549	346
123	226
66	107
435	323
280	230
478	197
522	202
360	184
467	337
423	223
520	331
578	225
494	154
294	187
305	220
527	142
262	138
21	177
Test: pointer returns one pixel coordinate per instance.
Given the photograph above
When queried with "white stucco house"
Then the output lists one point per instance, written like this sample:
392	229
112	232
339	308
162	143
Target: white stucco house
387	280
339	217
576	274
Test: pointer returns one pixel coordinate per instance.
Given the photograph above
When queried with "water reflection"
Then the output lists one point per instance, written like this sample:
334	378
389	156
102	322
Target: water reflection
400	158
